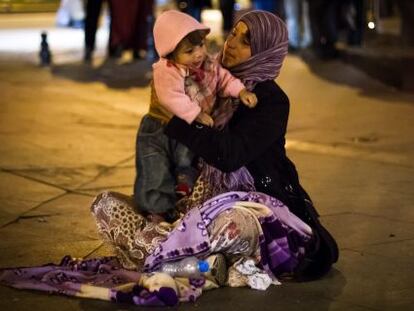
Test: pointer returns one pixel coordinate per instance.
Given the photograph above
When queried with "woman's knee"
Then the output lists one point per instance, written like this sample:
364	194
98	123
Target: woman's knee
109	200
97	201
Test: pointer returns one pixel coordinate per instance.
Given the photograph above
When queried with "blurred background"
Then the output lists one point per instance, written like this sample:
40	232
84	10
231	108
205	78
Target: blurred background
377	36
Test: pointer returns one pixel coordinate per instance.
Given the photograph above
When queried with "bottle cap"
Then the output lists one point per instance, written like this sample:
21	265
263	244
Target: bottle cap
203	266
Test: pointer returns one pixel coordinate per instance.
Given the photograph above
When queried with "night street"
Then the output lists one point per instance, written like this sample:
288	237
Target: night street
67	133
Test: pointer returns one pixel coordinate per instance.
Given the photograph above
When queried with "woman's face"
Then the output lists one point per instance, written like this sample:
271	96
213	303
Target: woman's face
237	46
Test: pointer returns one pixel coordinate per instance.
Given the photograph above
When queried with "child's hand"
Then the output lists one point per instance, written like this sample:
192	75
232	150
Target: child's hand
205	119
248	98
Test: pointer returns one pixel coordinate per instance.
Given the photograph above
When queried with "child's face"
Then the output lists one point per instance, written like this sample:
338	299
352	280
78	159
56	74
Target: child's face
190	55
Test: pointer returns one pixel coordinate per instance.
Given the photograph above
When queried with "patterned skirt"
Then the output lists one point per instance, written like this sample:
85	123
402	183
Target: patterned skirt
133	237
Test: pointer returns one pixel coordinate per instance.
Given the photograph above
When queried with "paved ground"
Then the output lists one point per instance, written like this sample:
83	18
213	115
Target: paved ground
67	133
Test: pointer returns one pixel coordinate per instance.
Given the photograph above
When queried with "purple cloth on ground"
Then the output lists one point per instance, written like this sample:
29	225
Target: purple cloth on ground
68	277
281	245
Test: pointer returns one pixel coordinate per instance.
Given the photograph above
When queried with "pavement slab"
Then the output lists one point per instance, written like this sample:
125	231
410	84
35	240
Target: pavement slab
25	252
117	177
25	140
354	229
375	281
357	186
70	205
13	299
64	219
102	250
128	190
60	228
404	249
67	178
19	195
338	105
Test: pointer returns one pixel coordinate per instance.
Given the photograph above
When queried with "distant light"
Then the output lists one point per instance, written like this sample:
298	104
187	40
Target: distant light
371	25
237	6
182	5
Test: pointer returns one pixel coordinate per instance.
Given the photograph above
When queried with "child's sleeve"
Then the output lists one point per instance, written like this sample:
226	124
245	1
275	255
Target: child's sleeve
228	85
169	87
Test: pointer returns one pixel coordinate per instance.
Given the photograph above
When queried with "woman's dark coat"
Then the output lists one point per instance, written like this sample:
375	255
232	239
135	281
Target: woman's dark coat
255	138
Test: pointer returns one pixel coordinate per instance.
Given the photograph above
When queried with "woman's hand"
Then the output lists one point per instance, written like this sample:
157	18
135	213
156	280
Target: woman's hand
205	119
248	98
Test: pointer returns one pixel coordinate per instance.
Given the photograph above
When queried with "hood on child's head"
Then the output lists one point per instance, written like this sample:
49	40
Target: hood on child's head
171	27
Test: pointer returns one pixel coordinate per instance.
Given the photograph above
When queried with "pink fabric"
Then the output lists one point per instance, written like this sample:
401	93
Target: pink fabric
229	86
186	94
171	27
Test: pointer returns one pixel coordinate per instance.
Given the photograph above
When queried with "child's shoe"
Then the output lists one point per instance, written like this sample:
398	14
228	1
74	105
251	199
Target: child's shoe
182	190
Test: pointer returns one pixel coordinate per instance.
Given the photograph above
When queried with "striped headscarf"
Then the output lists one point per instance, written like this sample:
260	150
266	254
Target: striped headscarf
269	46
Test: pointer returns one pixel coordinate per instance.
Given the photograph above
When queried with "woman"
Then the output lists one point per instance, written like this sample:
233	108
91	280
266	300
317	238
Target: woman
250	151
255	138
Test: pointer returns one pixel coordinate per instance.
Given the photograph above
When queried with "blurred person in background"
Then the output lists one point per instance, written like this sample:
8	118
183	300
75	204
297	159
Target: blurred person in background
227	11
298	23
193	7
323	17
93	11
70	14
130	27
352	15
406	8
265	5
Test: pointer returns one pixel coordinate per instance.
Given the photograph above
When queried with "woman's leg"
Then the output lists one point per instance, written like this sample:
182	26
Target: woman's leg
235	233
131	235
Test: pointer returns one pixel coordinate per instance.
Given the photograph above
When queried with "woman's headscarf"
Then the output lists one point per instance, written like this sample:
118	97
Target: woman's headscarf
269	46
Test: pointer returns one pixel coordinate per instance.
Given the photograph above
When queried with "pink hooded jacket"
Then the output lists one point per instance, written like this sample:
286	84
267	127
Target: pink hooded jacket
179	91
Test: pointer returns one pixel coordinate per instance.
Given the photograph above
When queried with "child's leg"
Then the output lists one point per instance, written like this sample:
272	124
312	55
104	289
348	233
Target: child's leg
185	173
154	189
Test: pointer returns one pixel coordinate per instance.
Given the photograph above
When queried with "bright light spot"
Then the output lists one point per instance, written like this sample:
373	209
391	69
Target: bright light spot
213	20
371	25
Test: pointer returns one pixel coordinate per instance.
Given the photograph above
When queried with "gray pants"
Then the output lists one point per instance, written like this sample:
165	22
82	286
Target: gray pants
160	163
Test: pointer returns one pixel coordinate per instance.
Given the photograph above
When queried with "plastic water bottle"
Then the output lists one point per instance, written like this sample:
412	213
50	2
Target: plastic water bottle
188	267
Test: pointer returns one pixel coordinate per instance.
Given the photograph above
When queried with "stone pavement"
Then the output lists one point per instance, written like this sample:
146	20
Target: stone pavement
385	58
68	132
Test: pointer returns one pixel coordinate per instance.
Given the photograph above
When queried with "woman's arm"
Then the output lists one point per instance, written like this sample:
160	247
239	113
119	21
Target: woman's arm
245	139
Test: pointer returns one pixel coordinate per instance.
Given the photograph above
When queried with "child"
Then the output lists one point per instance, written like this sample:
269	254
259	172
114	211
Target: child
185	83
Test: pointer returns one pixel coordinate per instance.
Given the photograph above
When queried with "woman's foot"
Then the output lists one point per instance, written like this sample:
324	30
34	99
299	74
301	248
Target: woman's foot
218	269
